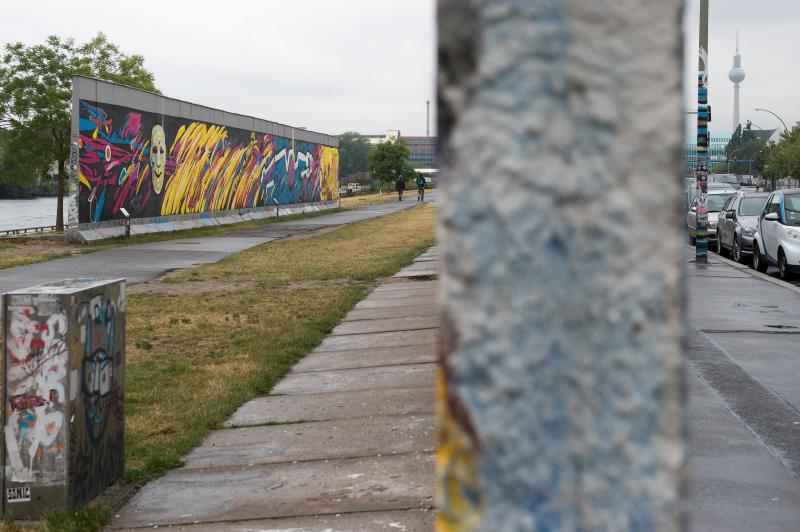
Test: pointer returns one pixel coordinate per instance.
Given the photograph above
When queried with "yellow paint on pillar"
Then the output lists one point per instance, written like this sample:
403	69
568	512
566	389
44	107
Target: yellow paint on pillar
457	491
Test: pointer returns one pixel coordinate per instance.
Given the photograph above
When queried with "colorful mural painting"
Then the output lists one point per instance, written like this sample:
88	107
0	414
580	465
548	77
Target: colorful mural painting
156	165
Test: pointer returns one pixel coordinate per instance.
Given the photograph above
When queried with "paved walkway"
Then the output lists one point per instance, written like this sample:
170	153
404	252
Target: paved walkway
744	400
344	443
144	262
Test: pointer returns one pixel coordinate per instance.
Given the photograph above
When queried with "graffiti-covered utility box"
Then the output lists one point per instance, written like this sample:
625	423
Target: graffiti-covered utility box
64	369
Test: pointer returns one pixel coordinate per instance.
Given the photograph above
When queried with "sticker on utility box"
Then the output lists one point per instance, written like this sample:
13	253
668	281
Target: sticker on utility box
18	494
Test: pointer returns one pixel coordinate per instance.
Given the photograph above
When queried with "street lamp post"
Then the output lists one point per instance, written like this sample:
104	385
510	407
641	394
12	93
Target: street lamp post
703	118
786	131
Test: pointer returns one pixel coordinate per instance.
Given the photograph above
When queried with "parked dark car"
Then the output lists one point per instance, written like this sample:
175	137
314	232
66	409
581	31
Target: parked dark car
738	223
718	195
727	179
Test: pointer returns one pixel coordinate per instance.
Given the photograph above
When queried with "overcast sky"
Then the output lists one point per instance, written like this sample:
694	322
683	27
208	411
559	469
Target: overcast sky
328	65
769	47
368	65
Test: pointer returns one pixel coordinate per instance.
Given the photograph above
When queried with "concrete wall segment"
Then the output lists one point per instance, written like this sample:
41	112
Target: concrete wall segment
100	91
64	410
133	156
561	395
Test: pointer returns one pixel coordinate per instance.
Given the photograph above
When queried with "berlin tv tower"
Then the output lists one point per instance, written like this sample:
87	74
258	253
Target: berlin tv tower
736	75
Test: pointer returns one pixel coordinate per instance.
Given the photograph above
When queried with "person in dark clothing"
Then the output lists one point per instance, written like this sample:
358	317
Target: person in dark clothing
400	185
420	188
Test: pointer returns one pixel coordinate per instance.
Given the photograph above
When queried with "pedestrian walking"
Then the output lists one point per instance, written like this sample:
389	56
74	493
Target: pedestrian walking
400	185
420	188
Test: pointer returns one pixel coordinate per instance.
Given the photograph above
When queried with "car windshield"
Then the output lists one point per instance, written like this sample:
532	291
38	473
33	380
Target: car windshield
791	208
726	179
716	201
752	206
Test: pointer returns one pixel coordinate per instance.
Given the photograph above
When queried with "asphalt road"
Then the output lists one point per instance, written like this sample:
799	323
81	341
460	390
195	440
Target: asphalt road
744	399
144	262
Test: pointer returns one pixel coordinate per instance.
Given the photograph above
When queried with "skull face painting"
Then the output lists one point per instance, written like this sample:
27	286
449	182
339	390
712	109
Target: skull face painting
158	157
98	376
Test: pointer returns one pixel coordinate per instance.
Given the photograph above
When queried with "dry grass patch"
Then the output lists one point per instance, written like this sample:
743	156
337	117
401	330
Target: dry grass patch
29	252
354	202
195	356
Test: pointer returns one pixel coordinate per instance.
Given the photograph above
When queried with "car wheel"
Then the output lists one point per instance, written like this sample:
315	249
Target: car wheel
737	253
720	248
759	264
691	239
783	267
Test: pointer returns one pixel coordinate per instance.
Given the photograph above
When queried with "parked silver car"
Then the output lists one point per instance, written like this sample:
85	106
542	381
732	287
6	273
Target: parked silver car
717	196
778	237
738	222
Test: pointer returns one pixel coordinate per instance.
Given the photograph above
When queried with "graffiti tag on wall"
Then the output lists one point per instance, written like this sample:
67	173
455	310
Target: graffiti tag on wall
97	440
35	432
156	165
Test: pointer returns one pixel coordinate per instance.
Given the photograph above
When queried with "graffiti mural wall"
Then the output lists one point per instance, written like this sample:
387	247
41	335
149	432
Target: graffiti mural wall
156	165
64	418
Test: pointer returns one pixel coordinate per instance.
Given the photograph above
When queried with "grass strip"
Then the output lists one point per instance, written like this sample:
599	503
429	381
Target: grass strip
24	251
195	355
21	250
361	200
227	332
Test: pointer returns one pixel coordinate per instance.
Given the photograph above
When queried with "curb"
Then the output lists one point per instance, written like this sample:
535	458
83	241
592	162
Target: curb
753	273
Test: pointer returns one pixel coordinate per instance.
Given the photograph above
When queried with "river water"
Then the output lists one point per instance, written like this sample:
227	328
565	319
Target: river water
18	214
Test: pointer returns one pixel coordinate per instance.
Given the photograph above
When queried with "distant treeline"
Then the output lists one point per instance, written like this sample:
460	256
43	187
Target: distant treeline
18	180
14	191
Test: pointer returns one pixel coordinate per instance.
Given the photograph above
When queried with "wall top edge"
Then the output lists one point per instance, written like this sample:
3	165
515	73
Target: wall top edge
65	286
86	88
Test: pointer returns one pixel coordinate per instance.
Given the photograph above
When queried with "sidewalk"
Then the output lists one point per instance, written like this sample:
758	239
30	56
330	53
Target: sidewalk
744	400
144	262
344	442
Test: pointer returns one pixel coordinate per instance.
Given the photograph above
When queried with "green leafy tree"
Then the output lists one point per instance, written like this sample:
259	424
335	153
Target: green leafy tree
36	93
782	159
353	153
389	161
743	146
739	137
17	175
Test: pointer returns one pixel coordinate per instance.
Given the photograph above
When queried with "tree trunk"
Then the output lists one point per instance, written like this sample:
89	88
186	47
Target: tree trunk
60	205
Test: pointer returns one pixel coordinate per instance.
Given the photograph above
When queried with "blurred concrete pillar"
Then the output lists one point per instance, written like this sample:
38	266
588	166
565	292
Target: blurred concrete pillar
561	394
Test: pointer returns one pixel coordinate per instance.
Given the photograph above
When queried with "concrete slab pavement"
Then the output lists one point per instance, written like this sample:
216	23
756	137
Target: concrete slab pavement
358	452
345	442
326	440
338	405
350	522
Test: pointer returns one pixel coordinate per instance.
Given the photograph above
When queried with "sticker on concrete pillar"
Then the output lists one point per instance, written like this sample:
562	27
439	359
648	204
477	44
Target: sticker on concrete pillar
22	494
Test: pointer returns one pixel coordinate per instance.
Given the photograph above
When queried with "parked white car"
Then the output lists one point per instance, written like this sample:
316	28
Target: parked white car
778	236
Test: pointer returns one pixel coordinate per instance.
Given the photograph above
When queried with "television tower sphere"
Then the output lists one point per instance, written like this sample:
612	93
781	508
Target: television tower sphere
736	74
